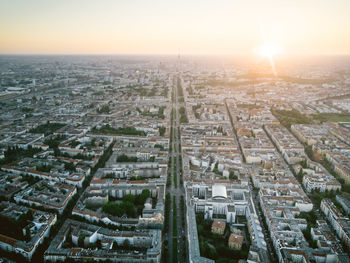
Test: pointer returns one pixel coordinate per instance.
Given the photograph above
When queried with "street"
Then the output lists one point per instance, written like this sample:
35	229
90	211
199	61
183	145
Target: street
176	190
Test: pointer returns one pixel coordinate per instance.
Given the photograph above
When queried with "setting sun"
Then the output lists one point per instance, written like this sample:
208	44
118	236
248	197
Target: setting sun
269	50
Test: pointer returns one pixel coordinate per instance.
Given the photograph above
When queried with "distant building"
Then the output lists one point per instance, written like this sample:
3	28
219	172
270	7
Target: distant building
36	229
146	244
235	242
344	202
218	227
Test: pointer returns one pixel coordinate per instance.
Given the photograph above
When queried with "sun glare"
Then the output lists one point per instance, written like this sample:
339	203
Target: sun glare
269	50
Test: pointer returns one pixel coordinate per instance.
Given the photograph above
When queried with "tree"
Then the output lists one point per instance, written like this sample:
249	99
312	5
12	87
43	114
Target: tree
126	243
346	188
114	209
304	163
300	174
129	209
161	130
129	198
233	176
212	253
81	240
141	199
104	109
159	146
124	158
69	167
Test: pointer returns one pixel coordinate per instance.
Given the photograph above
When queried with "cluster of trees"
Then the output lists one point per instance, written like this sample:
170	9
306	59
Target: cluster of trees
326	164
175	251
288	118
167	212
214	246
248	106
107	129
300	176
120	209
174	217
27	109
127	206
103	109
159	115
194	109
232	176
310	217
335	117
30	179
203	225
165	91
109	175
329	167
13	228
81	242
161	112
183	116
221	130
47	128
168	180
74	143
179	89
316	197
126	245
69	167
182	207
216	169
181	172
173	96
161	130
165	252
190	90
175	174
151	93
98	93
53	142
159	146
43	186
101	163
15	153
123	158
38	255
92	143
308	237
43	168
81	156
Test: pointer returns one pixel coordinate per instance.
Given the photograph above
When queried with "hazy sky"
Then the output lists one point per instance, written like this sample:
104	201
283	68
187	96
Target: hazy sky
167	27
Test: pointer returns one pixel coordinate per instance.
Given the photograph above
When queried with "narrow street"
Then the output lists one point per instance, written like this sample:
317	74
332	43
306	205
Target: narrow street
255	195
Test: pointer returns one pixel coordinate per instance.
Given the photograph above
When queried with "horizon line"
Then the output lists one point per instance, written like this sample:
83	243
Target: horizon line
173	54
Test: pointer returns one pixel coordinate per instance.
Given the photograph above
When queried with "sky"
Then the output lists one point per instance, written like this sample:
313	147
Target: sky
306	27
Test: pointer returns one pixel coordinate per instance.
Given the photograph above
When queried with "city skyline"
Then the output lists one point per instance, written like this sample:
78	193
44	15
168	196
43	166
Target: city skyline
175	131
